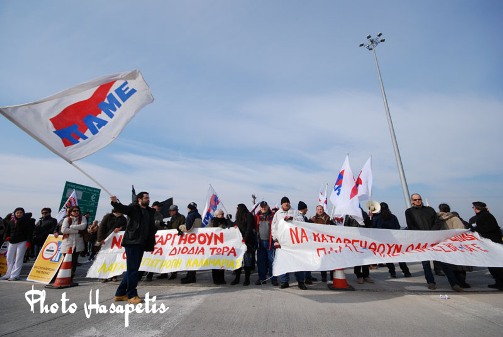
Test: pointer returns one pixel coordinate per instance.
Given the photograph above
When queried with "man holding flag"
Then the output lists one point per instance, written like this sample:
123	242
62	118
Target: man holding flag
139	237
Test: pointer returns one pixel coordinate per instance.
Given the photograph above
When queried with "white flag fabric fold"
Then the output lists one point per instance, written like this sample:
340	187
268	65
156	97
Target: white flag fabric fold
363	183
341	194
212	203
82	120
70	202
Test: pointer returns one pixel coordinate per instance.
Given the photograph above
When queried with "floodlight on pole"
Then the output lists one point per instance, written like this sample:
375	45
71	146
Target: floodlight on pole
371	44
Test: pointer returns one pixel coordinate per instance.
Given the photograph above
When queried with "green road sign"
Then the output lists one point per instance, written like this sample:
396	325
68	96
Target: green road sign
87	197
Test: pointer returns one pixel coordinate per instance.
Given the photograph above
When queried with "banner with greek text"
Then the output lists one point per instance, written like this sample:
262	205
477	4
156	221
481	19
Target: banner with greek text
200	249
313	247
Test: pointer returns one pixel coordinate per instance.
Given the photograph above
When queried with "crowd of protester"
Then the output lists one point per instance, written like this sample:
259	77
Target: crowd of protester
25	237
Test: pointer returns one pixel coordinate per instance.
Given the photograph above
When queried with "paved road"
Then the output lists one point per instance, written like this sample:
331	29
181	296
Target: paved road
389	307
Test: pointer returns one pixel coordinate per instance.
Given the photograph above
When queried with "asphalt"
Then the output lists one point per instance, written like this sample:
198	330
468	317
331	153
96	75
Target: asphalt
387	307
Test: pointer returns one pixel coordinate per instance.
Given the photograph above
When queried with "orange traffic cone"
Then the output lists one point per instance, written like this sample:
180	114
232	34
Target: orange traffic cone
64	278
339	282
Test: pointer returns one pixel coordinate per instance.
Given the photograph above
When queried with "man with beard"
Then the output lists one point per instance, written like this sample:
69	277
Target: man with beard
139	237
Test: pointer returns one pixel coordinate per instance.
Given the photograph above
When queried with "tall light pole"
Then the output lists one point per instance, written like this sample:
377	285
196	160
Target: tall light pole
371	44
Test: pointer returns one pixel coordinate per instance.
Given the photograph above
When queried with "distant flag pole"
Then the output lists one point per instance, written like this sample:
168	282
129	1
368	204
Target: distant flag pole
322	198
133	195
255	205
84	119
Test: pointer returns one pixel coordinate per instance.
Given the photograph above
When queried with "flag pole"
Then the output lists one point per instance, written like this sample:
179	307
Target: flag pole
87	175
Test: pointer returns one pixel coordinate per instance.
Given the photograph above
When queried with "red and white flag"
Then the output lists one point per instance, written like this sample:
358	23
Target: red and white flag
212	202
341	194
72	201
363	183
82	120
322	198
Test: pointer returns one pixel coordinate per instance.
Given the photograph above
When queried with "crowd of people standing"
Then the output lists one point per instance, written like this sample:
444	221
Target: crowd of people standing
25	238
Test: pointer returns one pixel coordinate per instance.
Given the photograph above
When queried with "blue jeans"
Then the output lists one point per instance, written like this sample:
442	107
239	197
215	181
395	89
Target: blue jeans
446	268
300	276
134	254
265	258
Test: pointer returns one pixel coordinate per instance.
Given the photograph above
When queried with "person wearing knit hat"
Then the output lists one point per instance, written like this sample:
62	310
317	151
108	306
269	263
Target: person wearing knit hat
175	221
479	205
286	213
193	220
486	225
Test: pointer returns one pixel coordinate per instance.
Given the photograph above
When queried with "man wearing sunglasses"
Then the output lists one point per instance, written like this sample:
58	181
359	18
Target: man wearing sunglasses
45	225
424	218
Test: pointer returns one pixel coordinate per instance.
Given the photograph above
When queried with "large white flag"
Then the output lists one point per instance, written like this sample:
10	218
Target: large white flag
81	120
363	183
72	201
341	194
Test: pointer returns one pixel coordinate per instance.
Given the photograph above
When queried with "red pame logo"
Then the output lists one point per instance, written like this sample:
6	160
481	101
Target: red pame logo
74	121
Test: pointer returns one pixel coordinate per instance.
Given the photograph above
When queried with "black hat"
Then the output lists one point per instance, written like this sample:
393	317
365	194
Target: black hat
285	199
263	203
302	205
173	208
479	205
192	206
156	203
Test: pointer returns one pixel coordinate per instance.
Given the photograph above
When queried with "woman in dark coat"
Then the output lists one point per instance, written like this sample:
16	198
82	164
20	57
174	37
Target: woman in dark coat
18	233
486	225
245	223
387	220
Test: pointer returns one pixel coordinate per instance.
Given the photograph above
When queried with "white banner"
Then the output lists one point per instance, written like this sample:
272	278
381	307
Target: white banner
200	249
313	247
81	120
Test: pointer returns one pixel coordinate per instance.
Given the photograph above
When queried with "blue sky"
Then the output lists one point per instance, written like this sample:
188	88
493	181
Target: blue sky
264	97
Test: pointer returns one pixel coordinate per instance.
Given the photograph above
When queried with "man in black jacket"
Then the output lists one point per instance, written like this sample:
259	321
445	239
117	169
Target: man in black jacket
193	220
424	218
486	225
139	237
45	226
